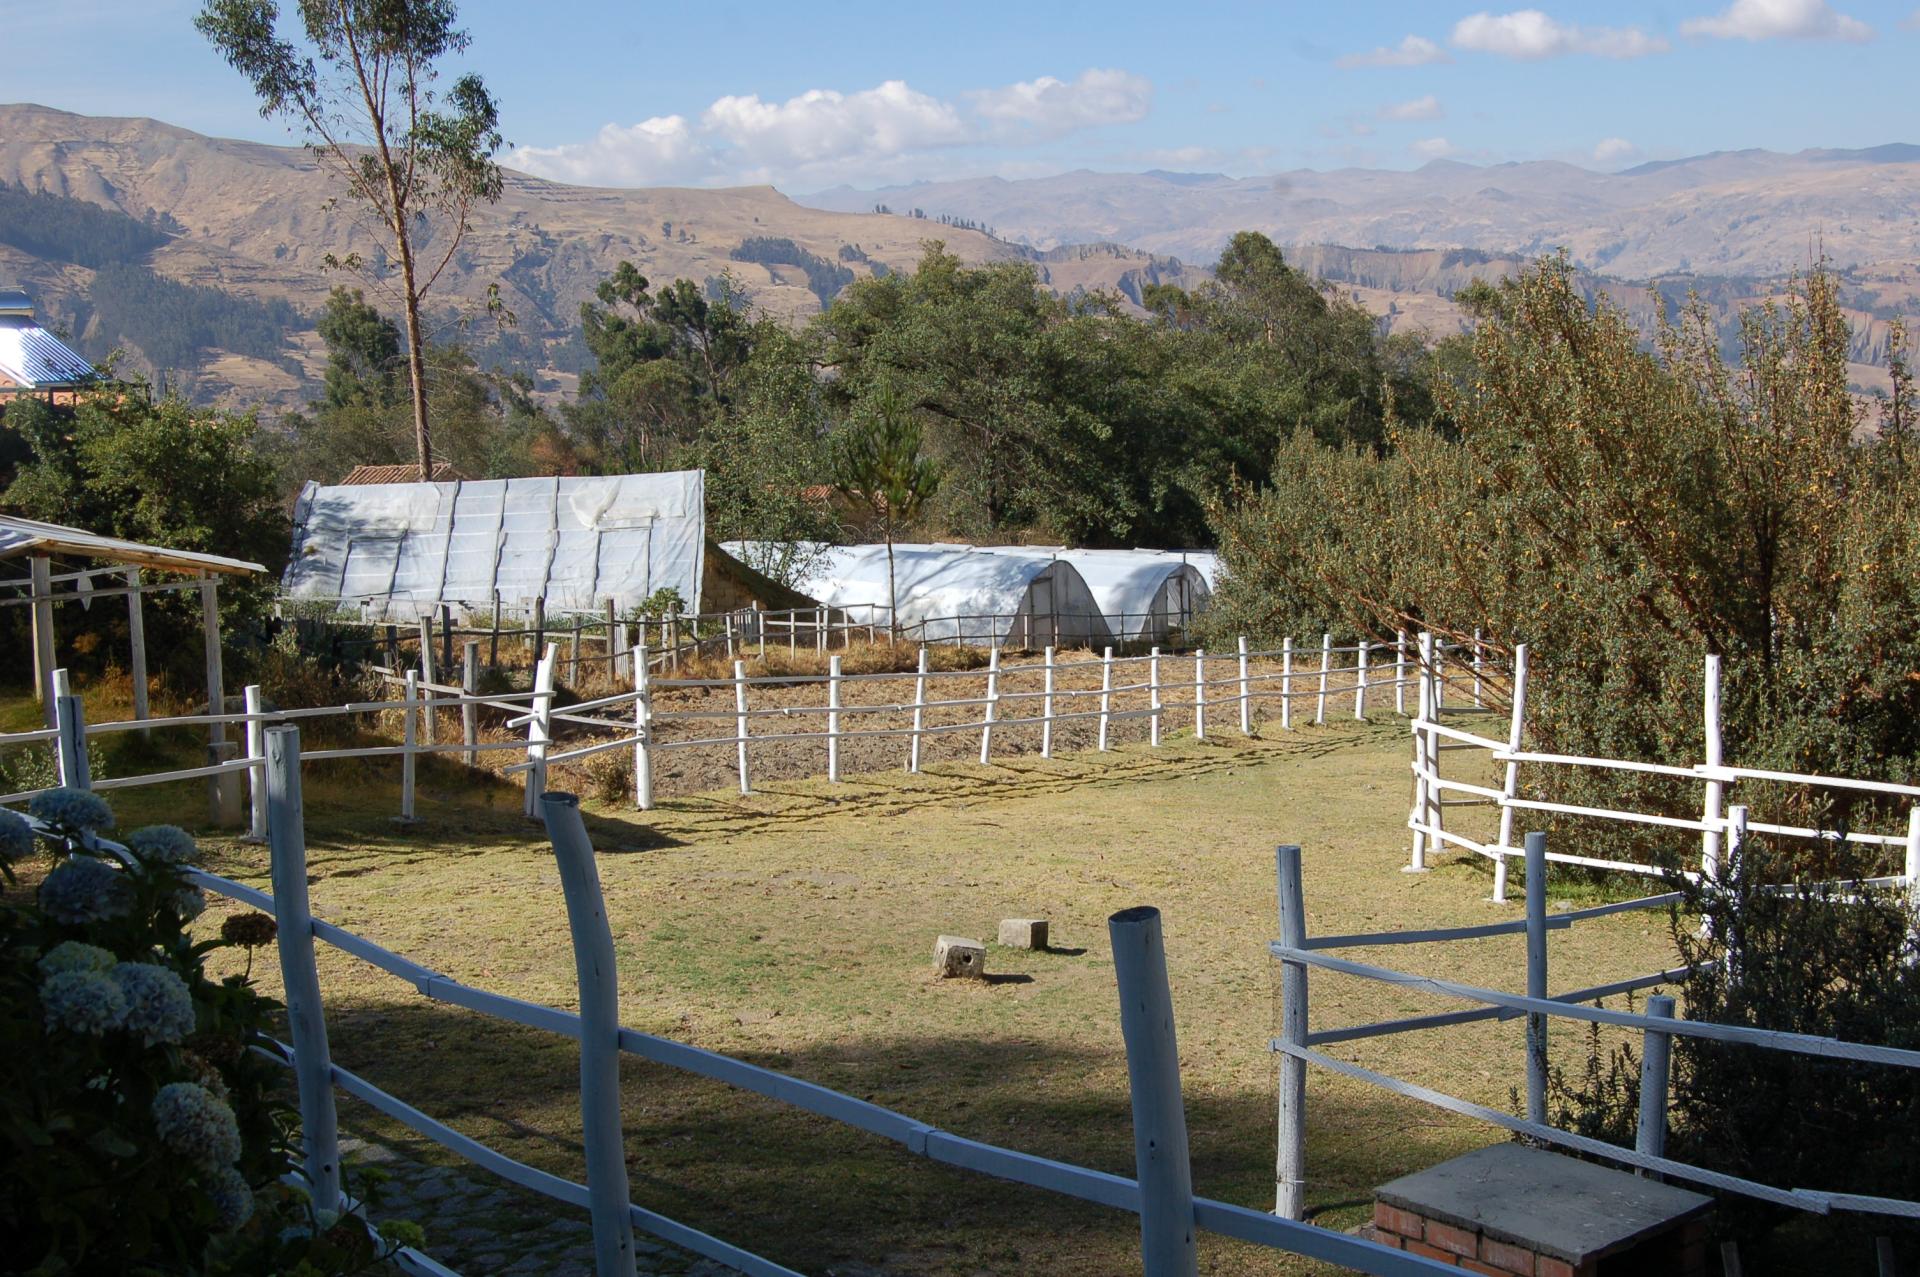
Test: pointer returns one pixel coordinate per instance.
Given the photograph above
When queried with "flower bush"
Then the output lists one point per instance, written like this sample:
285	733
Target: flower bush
139	1130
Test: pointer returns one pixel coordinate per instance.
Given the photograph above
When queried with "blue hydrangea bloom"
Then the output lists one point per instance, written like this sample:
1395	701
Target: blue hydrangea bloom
72	809
232	1199
163	844
83	1002
71	955
188	902
83	889
16	836
196	1124
159	1006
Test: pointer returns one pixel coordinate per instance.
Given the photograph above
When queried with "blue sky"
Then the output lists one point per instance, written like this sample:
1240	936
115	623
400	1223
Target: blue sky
809	96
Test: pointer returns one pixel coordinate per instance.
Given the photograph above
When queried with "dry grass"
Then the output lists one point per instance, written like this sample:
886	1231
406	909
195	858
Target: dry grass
794	927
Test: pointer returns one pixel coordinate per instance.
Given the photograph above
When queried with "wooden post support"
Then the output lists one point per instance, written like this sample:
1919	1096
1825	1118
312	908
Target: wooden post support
470	712
1106	695
1423	758
1510	783
727	622
1153	697
613	649
793	633
427	726
255	736
642	731
539	731
493	637
1478	655
919	712
70	747
1360	683
740	720
137	642
622	641
227	785
1290	1163
41	582
1400	673
573	652
1715	789
299	978
820	630
992	703
1656	1063
608	1193
539	633
393	649
446	637
1246	695
1326	662
833	719
1046	708
410	744
1200	694
673	637
1536	976
1153	1077
1286	684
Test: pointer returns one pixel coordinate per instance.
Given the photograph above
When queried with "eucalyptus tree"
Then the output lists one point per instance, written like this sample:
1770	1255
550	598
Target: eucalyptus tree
358	78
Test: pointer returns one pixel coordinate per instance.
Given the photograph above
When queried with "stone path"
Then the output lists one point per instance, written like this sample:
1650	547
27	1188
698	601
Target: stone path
478	1224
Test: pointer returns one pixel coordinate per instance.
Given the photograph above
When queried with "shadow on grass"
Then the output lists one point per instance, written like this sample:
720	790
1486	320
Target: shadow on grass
821	1197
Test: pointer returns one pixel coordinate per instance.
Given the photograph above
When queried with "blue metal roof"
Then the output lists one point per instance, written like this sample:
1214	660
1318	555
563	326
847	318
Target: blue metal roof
31	356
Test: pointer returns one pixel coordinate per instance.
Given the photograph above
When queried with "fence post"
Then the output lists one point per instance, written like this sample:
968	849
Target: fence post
1106	695
621	640
1400	673
1246	698
1200	693
919	711
820	629
608	1194
727	621
642	729
1360	683
256	782
299	978
1422	746
1290	1165
1326	660
70	719
1510	784
1286	684
1153	1077
41	576
539	730
137	642
1439	649
1046	707
793	633
613	648
833	719
427	672
470	688
993	699
1913	877
493	635
740	721
539	633
410	742
1656	1064
1716	789
1536	976
1476	668
1153	695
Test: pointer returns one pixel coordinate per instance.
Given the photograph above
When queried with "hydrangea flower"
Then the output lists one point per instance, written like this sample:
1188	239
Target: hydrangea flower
159	1007
164	845
71	955
188	902
72	809
83	889
197	1124
16	836
83	1002
232	1199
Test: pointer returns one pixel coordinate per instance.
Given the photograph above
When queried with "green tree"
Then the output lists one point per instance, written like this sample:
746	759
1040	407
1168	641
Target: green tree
879	464
358	76
363	352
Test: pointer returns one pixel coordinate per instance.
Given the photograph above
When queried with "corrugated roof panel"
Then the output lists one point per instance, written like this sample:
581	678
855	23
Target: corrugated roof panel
34	357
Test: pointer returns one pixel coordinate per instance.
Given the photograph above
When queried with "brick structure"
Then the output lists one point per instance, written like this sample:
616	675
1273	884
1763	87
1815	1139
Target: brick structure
1514	1211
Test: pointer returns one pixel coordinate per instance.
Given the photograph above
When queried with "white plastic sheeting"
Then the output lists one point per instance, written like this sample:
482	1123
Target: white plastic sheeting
403	548
959	592
1144	594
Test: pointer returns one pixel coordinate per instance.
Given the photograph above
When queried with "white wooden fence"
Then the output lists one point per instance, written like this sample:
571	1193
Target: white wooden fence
1298	1044
1434	793
1161	1194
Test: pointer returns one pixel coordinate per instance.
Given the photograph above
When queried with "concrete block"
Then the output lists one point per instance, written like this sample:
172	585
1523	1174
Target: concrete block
958	956
1023	933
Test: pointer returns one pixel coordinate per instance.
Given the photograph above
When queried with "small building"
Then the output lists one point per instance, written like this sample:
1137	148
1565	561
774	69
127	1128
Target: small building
34	363
443	472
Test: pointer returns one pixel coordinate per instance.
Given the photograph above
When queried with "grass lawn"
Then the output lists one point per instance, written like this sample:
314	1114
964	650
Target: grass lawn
795	928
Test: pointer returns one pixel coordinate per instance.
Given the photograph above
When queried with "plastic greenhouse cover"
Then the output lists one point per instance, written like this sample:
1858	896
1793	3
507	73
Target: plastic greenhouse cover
574	541
938	583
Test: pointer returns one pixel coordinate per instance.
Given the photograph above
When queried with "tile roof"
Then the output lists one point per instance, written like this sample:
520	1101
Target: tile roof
442	473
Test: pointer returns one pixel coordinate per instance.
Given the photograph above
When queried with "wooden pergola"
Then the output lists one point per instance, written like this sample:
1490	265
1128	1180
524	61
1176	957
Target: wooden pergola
113	570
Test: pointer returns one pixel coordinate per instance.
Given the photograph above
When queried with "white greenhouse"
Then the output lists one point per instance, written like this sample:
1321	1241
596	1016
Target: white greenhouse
1145	595
402	549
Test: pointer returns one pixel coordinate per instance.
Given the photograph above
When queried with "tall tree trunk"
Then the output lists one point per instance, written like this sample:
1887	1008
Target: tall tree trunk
893	594
416	364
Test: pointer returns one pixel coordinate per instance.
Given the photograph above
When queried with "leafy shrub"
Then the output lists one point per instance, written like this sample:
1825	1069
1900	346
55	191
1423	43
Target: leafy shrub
142	1131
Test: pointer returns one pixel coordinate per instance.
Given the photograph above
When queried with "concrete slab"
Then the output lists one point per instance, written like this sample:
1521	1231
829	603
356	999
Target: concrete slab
1572	1210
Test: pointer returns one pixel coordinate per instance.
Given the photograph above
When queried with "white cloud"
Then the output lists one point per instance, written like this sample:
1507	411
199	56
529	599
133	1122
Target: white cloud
1426	108
1051	107
1614	150
1530	35
1433	148
1414	51
825	136
1780	19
